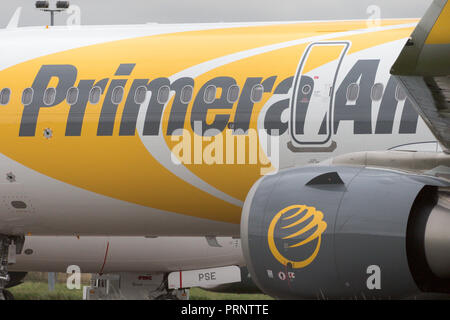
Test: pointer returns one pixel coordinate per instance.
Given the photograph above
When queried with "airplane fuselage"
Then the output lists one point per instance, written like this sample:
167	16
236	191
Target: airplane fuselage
163	130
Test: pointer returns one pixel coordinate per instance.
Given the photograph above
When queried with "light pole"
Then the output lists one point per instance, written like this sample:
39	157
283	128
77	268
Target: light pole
45	7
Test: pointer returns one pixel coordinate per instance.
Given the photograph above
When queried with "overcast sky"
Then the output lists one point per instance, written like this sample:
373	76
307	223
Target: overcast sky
175	11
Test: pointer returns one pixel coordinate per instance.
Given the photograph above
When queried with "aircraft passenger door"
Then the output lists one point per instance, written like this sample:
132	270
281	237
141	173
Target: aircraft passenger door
311	122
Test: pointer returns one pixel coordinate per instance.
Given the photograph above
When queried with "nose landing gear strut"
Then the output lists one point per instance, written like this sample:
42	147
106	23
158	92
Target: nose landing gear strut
9	247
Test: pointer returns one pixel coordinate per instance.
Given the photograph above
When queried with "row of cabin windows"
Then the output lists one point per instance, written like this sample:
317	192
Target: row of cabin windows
117	95
96	92
376	93
233	93
186	94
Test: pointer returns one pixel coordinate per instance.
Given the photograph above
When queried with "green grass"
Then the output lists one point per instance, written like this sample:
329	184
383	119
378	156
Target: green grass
32	290
200	294
39	291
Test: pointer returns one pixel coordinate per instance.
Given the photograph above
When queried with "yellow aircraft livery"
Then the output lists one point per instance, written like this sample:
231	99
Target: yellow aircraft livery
163	129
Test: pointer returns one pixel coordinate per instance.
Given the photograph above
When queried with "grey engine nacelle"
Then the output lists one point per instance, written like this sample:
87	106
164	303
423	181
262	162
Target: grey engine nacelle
347	232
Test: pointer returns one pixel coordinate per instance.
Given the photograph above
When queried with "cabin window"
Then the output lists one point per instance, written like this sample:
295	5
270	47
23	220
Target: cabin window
210	94
140	95
353	92
5	95
49	96
27	96
377	91
306	89
186	94
72	96
257	93
400	94
163	94
233	94
94	95
117	95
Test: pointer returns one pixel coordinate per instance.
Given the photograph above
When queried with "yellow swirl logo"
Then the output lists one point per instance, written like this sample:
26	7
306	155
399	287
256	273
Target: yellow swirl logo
307	225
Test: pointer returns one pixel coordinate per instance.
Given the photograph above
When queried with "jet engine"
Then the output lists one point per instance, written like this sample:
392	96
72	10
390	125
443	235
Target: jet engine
338	232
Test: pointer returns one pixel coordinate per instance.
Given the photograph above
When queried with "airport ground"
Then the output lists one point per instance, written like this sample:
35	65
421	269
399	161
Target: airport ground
35	287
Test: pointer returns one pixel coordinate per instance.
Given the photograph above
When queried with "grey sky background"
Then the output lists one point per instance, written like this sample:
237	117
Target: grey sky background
189	11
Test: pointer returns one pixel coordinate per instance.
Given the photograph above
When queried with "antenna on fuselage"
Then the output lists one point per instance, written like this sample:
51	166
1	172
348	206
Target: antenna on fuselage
45	7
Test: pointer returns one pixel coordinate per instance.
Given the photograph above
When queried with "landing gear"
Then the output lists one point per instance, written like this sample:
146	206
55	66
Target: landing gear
6	295
134	286
5	242
9	247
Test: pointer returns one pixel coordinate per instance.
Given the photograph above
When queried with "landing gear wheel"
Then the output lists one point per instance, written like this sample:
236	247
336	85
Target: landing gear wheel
7	295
